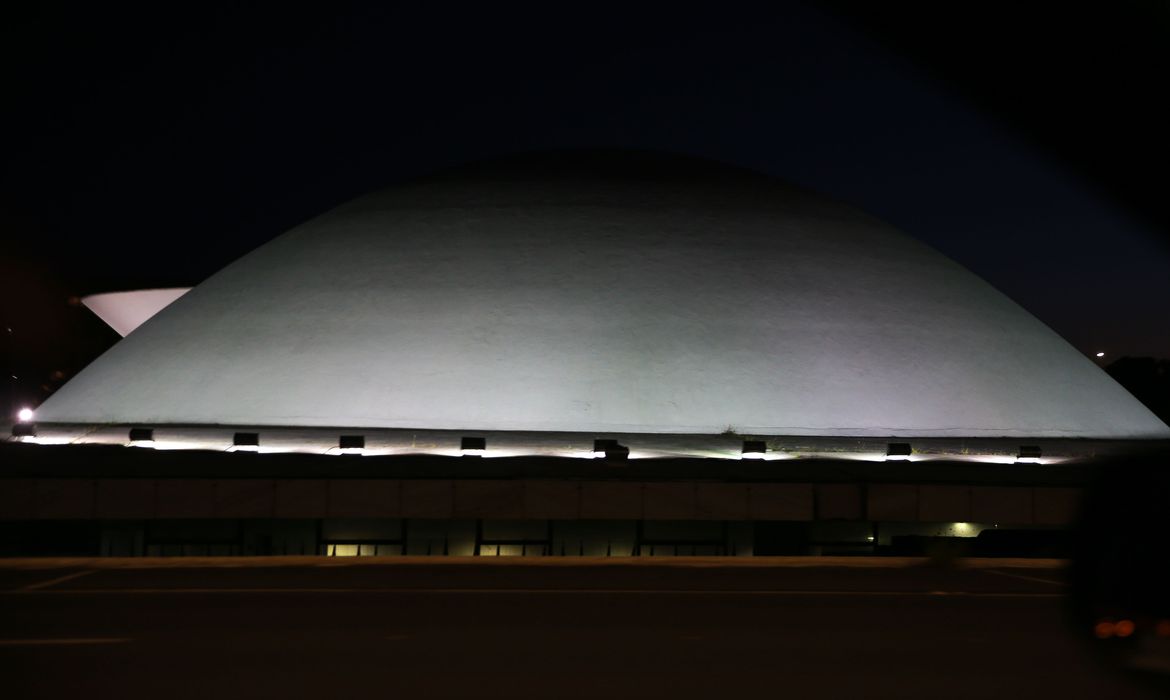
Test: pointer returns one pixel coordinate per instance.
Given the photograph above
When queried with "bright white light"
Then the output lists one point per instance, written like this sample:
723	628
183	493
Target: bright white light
142	443
897	458
46	440
869	539
1100	354
1028	460
244	448
753	455
473	452
180	445
351	451
599	455
25	415
988	459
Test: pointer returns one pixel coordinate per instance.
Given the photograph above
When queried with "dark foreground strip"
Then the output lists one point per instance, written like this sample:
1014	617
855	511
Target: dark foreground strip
530	591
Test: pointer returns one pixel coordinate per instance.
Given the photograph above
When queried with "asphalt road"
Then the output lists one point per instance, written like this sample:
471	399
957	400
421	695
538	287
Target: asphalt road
542	631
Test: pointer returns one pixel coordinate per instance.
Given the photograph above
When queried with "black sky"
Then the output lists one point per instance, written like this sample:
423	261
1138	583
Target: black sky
149	147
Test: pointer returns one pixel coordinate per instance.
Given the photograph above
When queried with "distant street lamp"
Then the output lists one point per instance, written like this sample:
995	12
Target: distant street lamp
1100	354
24	415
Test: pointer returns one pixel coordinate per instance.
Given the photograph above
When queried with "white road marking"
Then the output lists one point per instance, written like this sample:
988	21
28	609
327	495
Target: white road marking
59	579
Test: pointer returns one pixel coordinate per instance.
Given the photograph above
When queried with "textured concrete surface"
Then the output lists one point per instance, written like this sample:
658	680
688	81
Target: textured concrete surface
632	295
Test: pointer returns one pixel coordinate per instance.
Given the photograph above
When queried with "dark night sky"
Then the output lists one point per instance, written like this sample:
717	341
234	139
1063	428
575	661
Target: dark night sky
150	148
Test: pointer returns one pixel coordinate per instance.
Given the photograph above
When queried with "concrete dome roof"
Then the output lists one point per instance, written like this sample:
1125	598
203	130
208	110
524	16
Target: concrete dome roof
602	293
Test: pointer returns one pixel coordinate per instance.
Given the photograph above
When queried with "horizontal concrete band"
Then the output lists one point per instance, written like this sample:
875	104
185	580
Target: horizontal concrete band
89	564
526	499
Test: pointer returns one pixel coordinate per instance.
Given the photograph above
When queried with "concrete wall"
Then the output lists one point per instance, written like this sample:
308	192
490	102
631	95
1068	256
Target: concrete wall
537	499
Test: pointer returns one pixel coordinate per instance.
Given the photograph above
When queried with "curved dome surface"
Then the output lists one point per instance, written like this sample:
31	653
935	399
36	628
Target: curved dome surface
602	294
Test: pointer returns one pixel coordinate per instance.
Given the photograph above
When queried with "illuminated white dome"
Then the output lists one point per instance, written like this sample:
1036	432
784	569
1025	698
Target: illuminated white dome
602	294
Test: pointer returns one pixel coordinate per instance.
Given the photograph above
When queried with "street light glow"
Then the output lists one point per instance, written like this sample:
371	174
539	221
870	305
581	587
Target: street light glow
25	415
1100	354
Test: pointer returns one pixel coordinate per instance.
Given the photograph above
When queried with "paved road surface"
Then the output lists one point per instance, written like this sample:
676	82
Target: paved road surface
591	630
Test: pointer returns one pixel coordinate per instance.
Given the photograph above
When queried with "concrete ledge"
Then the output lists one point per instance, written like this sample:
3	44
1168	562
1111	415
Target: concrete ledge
502	499
428	499
1001	504
541	562
66	498
780	501
944	503
548	499
1057	506
668	500
245	498
892	502
539	499
364	498
611	500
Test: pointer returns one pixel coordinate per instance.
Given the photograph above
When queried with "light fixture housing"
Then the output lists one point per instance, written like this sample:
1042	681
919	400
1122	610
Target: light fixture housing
754	449
351	444
24	430
1029	454
606	448
246	442
473	446
898	451
141	437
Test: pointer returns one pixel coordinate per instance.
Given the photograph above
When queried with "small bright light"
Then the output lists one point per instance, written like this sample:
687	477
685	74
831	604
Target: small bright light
869	539
753	455
473	452
599	454
25	415
1100	354
360	451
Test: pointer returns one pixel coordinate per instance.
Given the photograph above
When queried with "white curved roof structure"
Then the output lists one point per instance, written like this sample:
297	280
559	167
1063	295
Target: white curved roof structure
125	311
606	294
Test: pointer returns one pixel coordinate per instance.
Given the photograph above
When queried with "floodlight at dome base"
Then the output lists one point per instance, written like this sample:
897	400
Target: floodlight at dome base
351	445
609	449
898	451
141	437
245	442
1029	454
473	446
24	430
754	449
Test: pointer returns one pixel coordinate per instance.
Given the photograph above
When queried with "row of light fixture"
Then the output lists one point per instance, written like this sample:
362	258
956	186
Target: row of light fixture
895	451
603	448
